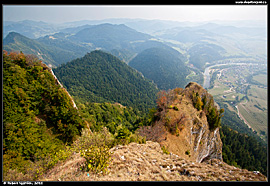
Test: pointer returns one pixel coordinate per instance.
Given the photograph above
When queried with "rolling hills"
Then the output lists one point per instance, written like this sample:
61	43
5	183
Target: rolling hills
57	48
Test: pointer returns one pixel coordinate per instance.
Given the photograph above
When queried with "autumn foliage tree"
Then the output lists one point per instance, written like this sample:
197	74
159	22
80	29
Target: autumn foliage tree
162	100
166	98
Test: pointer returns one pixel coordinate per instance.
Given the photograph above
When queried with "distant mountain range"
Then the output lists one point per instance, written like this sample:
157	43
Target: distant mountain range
194	44
52	50
115	38
108	36
35	29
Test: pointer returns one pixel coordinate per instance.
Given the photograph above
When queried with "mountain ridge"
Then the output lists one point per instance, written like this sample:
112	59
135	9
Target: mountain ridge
109	36
98	77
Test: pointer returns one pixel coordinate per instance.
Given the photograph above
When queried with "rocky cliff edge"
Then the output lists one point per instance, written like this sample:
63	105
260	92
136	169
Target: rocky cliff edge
181	124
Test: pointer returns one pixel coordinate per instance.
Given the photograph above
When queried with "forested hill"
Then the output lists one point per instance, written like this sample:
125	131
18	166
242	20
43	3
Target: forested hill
101	77
162	66
38	115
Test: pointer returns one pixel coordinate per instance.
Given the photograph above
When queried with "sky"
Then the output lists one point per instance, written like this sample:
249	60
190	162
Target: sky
193	13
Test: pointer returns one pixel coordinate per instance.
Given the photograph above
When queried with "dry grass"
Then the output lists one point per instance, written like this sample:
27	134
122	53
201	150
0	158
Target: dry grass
68	170
147	162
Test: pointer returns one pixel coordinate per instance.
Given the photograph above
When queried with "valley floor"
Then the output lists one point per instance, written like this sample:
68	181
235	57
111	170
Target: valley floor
243	86
147	162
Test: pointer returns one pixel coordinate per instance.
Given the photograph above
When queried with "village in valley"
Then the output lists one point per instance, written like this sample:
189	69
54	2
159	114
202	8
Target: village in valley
243	88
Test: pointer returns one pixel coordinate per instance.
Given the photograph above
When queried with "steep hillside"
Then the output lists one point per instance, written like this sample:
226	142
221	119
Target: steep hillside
38	114
187	123
162	66
101	77
243	151
111	116
147	162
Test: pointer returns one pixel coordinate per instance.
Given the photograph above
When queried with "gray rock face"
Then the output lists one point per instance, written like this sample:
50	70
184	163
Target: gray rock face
207	143
212	149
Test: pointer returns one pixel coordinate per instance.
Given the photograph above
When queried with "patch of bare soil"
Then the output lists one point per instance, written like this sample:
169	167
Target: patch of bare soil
147	162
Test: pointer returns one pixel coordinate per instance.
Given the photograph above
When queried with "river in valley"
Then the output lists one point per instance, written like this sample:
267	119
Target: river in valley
207	77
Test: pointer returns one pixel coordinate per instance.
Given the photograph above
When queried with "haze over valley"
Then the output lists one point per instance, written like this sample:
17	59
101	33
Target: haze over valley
197	87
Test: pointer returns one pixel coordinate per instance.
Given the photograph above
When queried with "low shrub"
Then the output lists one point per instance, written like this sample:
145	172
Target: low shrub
60	155
88	138
97	158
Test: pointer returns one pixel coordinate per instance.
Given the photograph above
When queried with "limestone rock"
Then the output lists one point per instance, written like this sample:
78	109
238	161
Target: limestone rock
183	129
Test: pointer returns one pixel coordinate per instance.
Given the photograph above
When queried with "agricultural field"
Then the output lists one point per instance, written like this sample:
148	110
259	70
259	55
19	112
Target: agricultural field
244	86
256	119
261	78
256	108
218	89
258	92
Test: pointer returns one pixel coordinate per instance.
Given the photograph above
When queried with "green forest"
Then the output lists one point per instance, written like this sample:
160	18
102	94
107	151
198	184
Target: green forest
101	77
111	116
41	127
163	66
243	151
40	124
38	115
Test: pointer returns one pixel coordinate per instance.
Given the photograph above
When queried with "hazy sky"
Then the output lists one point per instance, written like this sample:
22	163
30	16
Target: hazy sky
194	13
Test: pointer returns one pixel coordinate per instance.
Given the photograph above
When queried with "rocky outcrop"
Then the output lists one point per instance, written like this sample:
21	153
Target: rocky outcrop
183	129
147	162
182	147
